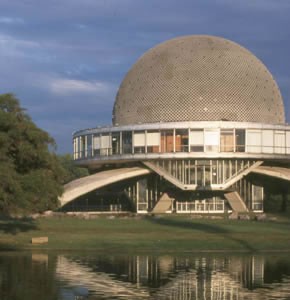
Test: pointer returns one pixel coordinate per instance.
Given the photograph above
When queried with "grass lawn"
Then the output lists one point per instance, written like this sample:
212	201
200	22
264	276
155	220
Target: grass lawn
168	233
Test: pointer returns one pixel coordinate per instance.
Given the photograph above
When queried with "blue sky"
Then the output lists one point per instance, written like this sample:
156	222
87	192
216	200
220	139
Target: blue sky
64	59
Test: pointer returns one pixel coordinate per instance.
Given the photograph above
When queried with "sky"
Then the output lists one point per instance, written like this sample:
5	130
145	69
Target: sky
65	59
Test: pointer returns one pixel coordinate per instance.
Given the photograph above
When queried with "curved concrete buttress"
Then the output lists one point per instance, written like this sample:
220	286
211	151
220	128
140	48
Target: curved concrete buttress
84	185
278	172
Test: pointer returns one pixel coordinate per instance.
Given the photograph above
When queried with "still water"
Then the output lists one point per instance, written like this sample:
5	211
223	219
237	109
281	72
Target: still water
73	276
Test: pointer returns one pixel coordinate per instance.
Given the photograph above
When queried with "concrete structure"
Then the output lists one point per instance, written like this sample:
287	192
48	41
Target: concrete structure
202	114
87	184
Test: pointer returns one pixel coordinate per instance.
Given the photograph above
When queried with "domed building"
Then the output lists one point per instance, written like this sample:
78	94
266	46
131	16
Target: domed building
195	121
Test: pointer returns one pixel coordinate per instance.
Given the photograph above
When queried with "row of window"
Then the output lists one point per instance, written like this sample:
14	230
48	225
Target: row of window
182	140
202	172
208	205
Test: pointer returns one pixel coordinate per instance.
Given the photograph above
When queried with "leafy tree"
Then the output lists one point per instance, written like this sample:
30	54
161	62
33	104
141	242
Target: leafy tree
30	172
71	171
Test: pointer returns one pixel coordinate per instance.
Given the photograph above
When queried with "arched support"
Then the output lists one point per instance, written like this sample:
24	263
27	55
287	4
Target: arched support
84	185
277	172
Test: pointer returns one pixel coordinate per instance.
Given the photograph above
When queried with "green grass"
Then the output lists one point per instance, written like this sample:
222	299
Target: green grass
157	234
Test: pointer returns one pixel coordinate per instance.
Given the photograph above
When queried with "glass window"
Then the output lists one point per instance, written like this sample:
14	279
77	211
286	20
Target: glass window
234	167
127	142
96	144
227	140
207	175
287	142
76	148
214	172
166	141
199	175
220	171
279	139
96	141
254	141
196	140
139	142
139	138
89	145
105	144
192	172
116	143
181	140
83	146
219	204
267	141
240	140
153	141
257	198
139	149
211	140
226	167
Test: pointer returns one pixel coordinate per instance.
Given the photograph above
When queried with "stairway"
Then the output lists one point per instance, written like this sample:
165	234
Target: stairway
163	173
236	202
163	204
241	173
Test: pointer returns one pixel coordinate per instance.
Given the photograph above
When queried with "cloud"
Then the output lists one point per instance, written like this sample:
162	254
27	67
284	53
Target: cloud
14	47
11	20
65	59
73	86
81	26
7	40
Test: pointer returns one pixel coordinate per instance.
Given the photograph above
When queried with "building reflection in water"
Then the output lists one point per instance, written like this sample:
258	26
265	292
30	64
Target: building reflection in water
168	277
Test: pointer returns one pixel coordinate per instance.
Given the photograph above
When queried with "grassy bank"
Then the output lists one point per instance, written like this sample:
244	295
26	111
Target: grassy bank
164	233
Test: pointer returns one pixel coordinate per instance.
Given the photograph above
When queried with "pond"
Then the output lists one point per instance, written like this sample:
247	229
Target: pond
75	276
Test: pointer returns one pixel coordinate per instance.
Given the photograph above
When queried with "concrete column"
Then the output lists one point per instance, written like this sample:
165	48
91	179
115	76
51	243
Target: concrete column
137	195
121	143
145	141
74	144
86	145
174	140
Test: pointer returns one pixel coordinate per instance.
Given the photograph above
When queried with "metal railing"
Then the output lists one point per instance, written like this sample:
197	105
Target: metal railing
248	149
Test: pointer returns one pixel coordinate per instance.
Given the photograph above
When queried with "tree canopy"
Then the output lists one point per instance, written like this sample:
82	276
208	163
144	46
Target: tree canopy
71	171
31	174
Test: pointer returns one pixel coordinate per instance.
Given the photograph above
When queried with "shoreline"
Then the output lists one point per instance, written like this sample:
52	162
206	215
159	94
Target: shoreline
155	234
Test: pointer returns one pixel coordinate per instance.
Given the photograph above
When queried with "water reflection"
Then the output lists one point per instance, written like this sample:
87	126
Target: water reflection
91	276
167	277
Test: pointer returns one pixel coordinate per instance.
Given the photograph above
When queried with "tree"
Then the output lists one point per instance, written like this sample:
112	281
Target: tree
30	172
71	171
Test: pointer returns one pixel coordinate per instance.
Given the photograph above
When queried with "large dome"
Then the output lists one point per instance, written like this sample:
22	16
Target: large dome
198	78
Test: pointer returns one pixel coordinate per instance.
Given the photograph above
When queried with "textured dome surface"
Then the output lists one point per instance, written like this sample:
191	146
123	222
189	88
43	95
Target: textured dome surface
198	78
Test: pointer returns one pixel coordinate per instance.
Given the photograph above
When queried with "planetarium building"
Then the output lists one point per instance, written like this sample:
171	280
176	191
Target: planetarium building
195	121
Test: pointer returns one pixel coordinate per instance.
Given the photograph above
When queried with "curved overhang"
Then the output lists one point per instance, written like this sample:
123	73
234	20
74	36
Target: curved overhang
127	158
84	185
276	172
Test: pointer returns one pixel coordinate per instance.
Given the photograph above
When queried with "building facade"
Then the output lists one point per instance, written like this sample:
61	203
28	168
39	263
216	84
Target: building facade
203	115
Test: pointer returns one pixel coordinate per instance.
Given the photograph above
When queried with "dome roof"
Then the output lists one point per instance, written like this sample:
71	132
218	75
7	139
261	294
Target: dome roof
198	78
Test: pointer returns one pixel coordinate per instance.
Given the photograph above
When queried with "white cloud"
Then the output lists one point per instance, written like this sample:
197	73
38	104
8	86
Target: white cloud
73	86
14	47
81	26
10	20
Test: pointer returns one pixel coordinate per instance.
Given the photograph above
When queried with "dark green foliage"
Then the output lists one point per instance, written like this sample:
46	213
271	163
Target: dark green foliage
71	171
277	195
30	172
